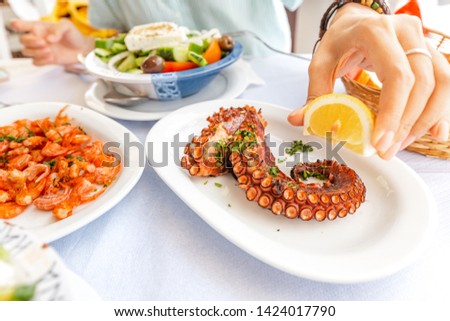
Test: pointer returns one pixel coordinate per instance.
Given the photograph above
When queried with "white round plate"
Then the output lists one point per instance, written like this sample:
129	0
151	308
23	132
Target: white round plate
385	234
41	264
43	224
230	83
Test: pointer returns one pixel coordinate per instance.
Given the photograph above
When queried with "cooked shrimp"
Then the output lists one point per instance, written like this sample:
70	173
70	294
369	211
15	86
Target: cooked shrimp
52	165
10	210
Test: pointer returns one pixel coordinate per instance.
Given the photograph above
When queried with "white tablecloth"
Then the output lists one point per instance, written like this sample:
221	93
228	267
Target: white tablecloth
151	246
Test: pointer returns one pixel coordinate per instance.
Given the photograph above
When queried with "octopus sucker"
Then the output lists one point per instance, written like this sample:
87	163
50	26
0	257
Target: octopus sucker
234	141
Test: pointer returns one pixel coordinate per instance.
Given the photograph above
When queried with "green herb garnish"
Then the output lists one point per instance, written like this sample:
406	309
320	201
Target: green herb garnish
218	185
274	171
13	139
304	174
206	182
51	163
298	146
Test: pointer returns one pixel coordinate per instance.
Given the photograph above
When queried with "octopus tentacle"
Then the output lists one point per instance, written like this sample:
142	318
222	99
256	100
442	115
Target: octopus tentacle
235	141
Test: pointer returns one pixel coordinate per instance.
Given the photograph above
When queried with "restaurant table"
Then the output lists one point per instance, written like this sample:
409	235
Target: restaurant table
151	246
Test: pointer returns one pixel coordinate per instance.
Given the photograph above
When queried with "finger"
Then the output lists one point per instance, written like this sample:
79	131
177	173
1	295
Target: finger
21	25
41	52
322	69
297	116
57	30
410	35
321	79
438	108
393	70
42	61
31	41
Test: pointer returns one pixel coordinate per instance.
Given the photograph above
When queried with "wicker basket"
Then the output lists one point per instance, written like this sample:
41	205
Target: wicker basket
371	96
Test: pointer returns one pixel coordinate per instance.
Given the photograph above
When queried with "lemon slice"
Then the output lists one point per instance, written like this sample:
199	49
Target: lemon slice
347	118
368	78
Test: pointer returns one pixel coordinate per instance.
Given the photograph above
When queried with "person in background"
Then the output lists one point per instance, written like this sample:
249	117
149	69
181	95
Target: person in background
415	97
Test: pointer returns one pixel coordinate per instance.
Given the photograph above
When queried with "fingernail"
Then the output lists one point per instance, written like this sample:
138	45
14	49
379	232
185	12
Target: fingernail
385	142
443	131
377	135
391	151
408	141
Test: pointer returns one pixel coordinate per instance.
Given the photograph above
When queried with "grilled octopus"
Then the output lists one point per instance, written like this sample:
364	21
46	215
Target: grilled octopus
235	140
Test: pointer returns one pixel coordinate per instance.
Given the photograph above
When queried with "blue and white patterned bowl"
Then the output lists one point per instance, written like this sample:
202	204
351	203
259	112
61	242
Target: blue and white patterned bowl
164	86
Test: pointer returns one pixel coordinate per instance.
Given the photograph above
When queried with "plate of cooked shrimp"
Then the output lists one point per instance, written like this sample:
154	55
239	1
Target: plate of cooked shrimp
62	166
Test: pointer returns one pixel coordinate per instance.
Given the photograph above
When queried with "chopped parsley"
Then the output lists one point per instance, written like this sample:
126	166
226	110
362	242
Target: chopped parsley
281	160
206	182
248	141
30	132
229	205
51	163
298	146
274	171
80	158
218	185
12	138
304	174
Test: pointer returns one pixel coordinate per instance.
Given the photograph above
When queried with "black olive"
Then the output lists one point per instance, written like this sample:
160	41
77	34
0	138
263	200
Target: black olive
153	64
226	43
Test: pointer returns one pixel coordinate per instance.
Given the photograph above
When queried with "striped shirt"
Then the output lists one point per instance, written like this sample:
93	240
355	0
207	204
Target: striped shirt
266	18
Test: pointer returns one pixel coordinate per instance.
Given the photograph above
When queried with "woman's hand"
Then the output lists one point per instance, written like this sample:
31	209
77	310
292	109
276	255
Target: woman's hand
52	43
415	97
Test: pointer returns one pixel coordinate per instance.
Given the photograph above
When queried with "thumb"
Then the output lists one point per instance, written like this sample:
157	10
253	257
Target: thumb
321	82
57	31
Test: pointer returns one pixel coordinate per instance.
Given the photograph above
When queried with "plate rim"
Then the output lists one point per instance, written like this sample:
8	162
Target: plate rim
92	100
53	232
196	207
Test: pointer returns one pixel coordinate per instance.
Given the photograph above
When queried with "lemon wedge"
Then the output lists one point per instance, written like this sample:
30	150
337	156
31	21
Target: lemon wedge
347	118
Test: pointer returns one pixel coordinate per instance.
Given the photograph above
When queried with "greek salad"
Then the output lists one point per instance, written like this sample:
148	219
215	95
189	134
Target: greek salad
162	47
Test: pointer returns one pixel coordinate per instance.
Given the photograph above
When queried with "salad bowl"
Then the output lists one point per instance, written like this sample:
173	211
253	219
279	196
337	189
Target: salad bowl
162	86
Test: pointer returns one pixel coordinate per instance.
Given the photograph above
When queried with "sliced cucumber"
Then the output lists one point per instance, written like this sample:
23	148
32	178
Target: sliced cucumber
127	64
198	49
99	52
196	58
180	53
140	60
118	47
120	38
135	71
165	53
104	43
147	53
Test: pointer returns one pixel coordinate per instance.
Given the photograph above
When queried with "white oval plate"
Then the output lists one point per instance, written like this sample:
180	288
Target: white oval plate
42	223
385	235
230	83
